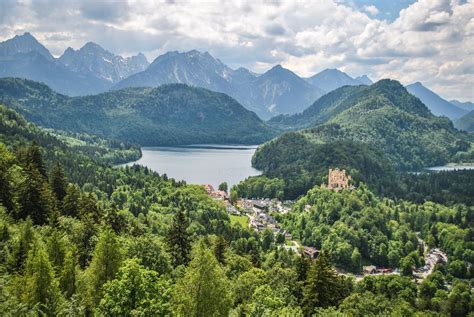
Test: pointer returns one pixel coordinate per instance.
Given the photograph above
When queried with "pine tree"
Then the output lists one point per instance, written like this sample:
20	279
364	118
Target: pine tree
35	197
32	155
105	263
356	260
178	239
6	191
67	280
302	267
88	207
205	289
22	246
115	220
70	205
58	181
41	286
323	287
56	247
220	246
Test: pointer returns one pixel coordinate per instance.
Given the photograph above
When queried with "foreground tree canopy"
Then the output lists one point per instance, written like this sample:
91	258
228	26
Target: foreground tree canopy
79	237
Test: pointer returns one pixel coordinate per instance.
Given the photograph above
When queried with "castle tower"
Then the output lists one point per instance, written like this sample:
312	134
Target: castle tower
338	179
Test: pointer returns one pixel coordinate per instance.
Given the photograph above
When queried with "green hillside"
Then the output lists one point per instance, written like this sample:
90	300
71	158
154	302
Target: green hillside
169	115
63	146
373	131
466	122
81	238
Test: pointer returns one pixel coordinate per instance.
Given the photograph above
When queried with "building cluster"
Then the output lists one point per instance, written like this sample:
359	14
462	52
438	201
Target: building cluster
222	196
258	211
432	258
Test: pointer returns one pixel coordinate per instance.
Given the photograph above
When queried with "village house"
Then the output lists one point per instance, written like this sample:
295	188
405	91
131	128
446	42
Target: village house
369	269
209	188
259	205
219	194
310	252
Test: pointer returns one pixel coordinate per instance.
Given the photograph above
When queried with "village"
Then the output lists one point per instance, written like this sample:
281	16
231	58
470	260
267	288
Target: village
260	217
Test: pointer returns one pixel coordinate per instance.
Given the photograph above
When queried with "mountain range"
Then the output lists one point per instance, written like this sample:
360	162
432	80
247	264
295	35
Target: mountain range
468	106
279	91
92	69
172	114
93	60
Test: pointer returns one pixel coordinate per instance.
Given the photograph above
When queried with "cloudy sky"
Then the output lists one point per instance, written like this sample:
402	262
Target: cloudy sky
431	41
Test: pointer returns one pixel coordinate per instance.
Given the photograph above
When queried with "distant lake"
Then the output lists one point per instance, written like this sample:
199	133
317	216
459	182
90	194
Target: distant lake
451	167
201	164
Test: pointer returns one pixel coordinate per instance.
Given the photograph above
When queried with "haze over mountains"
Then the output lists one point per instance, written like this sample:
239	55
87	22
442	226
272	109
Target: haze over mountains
437	105
93	69
279	91
93	60
89	70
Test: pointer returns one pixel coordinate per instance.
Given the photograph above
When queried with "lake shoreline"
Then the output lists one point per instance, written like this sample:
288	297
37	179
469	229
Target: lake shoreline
200	163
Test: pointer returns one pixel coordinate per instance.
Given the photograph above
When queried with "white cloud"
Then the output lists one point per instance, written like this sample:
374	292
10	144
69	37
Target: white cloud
372	10
430	41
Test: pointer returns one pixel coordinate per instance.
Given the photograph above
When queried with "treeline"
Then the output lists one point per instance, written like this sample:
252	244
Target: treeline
444	187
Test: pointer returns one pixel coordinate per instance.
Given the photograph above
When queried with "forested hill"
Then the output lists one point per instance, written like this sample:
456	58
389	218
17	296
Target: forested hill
372	131
386	116
466	122
168	115
346	97
79	154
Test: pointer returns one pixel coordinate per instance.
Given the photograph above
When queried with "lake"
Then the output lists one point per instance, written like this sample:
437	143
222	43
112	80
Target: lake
451	167
201	164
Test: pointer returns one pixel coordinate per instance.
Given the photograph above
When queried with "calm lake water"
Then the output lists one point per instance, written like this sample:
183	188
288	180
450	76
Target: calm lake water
201	164
450	167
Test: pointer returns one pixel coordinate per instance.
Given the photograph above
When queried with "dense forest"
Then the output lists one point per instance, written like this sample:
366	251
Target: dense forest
375	132
79	237
355	225
169	115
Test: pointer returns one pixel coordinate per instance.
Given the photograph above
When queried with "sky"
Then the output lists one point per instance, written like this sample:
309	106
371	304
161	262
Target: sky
431	41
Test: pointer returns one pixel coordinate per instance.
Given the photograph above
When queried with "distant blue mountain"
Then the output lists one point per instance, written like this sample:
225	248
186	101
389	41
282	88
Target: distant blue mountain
86	71
331	79
467	105
23	44
93	60
437	105
278	91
